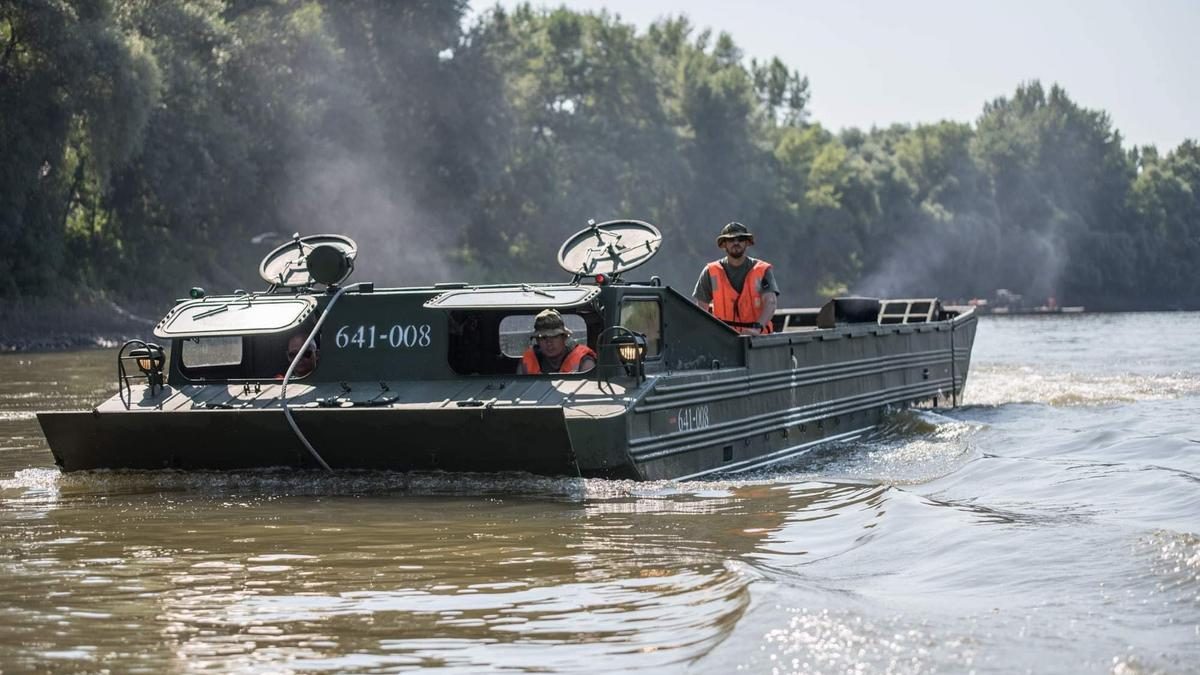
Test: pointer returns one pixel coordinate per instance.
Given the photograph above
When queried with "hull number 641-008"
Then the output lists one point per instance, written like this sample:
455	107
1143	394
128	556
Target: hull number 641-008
692	418
398	336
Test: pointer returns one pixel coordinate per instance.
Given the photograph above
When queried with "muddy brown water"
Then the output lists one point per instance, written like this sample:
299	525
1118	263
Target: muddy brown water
1050	525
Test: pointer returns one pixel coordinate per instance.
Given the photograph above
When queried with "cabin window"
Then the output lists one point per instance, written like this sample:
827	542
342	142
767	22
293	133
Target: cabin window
644	315
515	331
211	352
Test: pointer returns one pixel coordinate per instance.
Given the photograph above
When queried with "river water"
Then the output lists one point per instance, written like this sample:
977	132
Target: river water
1051	525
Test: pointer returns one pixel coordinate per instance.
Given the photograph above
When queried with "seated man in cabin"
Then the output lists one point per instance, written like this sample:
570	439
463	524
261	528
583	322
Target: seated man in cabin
738	289
307	361
552	350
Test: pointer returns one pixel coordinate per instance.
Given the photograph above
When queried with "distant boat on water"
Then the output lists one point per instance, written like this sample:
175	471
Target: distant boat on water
1007	302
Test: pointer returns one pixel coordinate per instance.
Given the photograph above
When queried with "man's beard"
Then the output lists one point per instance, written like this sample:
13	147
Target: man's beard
736	255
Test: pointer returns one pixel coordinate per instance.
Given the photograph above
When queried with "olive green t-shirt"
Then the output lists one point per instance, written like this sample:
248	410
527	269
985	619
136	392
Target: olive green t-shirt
737	278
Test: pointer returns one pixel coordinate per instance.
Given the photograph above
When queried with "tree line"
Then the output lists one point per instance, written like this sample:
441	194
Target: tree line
150	144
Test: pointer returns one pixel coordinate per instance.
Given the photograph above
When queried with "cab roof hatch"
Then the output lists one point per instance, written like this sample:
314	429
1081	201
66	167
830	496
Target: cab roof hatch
522	297
235	315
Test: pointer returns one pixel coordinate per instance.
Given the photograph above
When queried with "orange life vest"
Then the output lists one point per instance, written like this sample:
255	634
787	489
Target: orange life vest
569	364
739	308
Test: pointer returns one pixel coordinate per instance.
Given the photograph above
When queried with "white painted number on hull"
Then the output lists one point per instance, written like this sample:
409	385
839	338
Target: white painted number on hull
693	418
399	336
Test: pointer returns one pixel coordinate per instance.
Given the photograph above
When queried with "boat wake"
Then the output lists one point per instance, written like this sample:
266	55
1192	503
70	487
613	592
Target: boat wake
911	447
998	385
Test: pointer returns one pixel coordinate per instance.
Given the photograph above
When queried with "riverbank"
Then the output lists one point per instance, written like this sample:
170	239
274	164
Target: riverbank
50	325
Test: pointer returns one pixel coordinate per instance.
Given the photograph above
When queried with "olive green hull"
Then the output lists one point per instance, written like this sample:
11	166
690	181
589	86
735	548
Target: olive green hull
786	394
799	391
349	438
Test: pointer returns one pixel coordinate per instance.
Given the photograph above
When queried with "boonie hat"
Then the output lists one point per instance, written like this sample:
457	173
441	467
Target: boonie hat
734	230
548	324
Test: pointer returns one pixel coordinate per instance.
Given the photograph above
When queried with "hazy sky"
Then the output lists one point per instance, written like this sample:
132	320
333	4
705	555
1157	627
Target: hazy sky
925	60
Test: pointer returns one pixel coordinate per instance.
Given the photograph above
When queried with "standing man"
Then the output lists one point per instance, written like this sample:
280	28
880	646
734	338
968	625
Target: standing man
552	351
738	289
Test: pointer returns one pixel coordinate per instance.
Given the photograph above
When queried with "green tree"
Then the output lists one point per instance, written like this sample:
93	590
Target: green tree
591	136
1166	200
76	91
1061	183
172	141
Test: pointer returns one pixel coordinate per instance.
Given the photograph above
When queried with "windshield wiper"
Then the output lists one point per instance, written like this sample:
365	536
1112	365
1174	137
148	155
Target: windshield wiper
246	298
531	289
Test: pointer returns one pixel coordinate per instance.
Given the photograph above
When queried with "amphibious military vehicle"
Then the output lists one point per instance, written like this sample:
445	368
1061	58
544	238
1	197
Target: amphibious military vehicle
420	379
